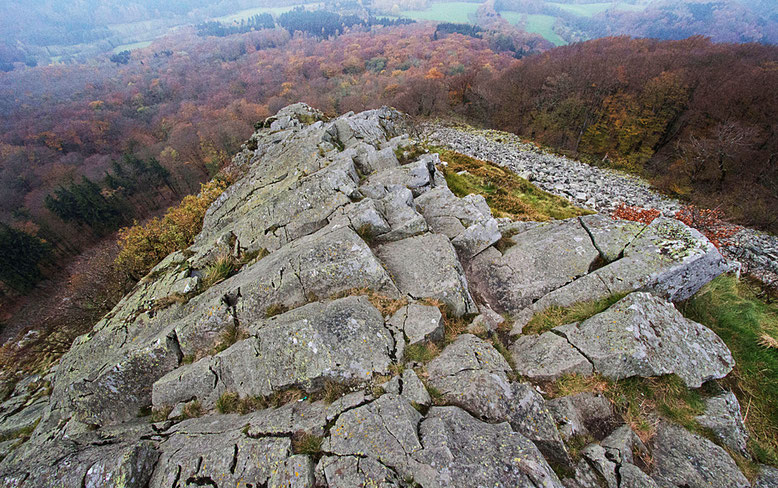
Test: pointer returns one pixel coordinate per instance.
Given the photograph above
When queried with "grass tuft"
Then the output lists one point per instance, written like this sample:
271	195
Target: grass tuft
305	443
556	316
193	409
736	311
507	194
222	268
421	352
275	309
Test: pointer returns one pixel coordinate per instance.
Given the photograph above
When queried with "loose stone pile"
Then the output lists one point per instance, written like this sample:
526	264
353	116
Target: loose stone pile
595	188
360	258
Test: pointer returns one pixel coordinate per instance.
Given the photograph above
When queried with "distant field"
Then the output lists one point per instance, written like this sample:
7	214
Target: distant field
248	13
539	24
131	47
444	12
592	9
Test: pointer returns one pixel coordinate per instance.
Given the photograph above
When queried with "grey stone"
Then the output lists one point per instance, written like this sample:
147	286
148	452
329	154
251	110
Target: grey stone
683	459
543	259
446	214
23	417
621	443
547	357
215	451
644	335
767	478
583	414
296	472
397	206
426	266
471	373
369	160
384	430
356	472
419	323
530	417
462	451
632	477
418	177
414	390
610	236
476	238
596	457
722	416
343	340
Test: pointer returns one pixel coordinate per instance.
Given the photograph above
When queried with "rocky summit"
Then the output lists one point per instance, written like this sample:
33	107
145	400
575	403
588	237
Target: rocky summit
372	330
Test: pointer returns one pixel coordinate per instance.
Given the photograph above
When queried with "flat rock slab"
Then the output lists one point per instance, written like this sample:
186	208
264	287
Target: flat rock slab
384	430
471	373
644	335
219	454
426	266
547	357
344	340
419	323
543	258
462	451
722	416
683	459
449	215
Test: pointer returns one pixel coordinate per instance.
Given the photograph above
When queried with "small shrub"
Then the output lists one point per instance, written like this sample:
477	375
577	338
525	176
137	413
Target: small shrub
222	268
407	154
141	247
333	390
228	402
305	443
230	336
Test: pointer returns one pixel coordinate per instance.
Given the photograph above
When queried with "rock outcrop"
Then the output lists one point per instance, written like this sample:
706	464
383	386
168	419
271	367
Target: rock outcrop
337	353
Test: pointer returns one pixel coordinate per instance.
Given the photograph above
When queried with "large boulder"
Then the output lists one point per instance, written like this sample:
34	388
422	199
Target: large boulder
686	460
666	258
462	451
426	266
471	373
344	341
644	335
542	259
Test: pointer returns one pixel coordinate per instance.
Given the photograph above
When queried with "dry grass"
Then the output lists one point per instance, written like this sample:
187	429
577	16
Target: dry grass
219	270
275	309
228	337
386	305
193	409
306	443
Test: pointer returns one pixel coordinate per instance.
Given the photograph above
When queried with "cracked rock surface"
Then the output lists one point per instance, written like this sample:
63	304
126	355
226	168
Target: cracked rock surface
335	354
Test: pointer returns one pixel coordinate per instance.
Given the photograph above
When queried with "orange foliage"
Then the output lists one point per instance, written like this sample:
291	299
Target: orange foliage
636	214
709	222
